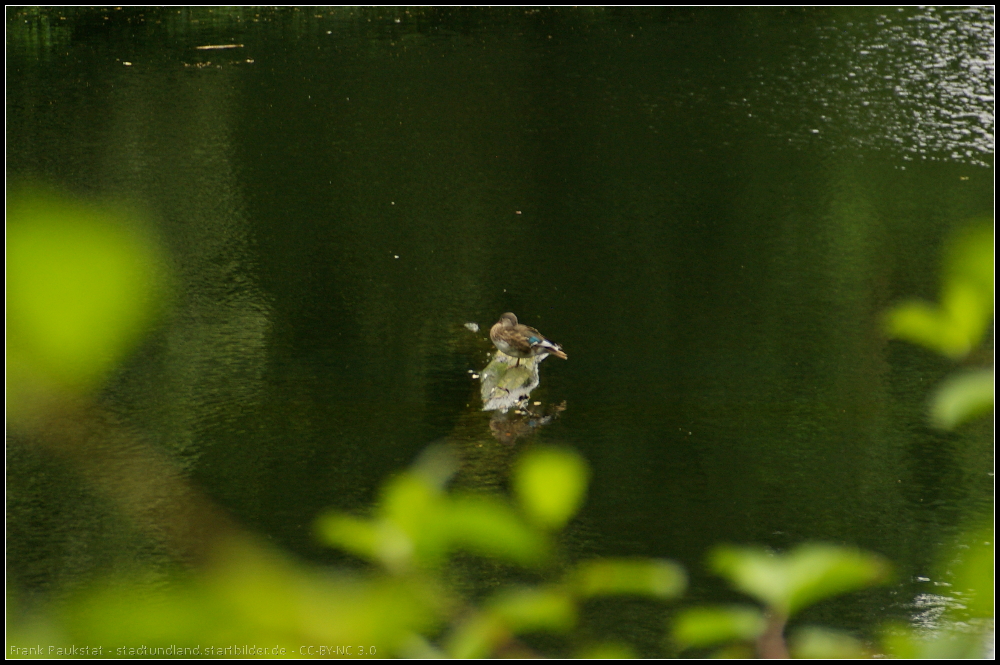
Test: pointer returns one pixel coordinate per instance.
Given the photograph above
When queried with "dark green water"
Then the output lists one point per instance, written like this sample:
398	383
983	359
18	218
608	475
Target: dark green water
708	208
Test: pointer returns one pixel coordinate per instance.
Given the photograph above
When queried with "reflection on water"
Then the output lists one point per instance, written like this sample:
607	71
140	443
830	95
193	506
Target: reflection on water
339	196
914	80
508	428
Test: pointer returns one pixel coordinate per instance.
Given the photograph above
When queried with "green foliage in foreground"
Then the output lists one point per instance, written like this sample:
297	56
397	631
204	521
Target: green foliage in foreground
83	284
954	328
784	584
403	606
970	614
790	582
956	325
83	287
418	523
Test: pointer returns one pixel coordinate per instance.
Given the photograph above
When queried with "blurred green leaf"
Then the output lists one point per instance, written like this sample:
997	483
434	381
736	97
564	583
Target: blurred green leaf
706	626
965	630
809	573
418	508
969	258
534	609
477	637
973	579
372	612
644	577
612	650
925	324
378	541
417	646
957	324
131	612
735	651
257	598
508	613
821	643
961	397
417	523
409	525
353	534
901	641
411	501
83	285
488	526
550	484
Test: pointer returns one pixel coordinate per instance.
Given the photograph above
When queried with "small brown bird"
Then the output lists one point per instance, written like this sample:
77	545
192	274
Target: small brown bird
521	341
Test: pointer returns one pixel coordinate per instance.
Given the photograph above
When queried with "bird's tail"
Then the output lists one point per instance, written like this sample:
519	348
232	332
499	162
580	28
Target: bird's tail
553	349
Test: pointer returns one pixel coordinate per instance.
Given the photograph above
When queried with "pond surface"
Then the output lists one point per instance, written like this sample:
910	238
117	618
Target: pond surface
708	209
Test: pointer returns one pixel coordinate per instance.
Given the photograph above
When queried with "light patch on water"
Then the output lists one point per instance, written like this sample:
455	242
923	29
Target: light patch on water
916	81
